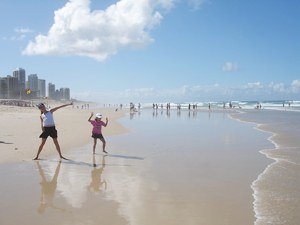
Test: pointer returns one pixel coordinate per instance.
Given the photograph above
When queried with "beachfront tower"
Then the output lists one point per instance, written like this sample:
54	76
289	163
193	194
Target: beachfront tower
3	88
51	91
65	93
42	88
9	87
33	82
20	74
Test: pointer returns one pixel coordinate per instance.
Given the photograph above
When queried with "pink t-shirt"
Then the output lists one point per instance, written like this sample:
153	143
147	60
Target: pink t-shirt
97	126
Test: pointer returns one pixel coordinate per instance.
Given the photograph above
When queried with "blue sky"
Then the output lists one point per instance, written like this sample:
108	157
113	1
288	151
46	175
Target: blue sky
156	50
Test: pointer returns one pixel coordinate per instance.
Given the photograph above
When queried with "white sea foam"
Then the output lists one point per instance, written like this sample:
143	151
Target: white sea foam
266	212
289	105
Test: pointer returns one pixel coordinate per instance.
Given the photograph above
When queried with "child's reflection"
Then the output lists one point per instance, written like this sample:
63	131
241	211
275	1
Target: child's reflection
48	189
97	182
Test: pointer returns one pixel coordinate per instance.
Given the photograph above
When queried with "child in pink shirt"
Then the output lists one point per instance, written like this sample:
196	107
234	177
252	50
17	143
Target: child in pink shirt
97	130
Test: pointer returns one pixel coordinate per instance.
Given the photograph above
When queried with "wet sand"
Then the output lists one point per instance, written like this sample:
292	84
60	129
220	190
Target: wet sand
277	193
178	168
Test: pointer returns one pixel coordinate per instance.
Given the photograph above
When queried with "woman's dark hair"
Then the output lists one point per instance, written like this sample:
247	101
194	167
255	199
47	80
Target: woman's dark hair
41	105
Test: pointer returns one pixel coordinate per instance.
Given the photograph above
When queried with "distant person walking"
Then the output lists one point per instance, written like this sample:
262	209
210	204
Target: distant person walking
97	130
48	127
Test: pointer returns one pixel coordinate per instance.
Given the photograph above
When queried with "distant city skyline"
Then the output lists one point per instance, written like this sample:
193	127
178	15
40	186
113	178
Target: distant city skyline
114	51
16	86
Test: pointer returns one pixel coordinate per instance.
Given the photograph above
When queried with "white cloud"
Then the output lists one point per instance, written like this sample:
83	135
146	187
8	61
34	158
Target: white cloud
255	85
15	38
196	4
230	67
21	34
23	30
280	87
215	92
99	34
296	86
18	38
139	93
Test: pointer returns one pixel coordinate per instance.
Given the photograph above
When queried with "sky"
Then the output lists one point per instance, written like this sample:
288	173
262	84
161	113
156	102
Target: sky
156	50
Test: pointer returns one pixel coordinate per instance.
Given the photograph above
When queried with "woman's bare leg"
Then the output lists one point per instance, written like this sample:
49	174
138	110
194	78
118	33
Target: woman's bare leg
58	148
40	148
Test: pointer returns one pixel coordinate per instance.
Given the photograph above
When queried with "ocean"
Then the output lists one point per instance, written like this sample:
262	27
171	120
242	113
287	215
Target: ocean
285	105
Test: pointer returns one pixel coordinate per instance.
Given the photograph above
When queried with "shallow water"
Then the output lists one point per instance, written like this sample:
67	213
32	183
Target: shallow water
277	193
172	168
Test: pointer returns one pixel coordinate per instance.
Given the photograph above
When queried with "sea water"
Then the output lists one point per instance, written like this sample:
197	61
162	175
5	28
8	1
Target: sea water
276	190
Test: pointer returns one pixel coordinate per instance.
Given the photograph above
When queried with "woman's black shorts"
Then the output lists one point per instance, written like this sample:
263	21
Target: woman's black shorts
49	131
100	136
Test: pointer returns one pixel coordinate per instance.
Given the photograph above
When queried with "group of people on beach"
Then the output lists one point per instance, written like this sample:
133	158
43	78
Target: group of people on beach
20	103
49	129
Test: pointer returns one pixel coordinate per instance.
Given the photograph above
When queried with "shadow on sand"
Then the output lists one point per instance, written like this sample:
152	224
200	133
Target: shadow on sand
125	156
7	143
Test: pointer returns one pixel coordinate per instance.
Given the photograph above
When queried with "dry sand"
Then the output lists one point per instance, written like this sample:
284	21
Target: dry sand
20	129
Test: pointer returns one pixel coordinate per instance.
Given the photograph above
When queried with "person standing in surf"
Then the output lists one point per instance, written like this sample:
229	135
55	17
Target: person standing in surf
48	128
97	130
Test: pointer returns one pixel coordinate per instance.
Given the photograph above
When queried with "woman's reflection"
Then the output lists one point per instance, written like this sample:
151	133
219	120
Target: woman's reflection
97	182
48	189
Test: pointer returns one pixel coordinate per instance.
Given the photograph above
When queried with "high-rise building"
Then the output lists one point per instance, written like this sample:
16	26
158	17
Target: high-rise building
33	82
51	91
21	75
57	95
65	93
3	88
9	87
42	88
13	87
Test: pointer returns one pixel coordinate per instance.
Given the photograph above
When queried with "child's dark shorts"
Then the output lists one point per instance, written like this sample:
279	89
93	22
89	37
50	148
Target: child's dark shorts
49	131
100	136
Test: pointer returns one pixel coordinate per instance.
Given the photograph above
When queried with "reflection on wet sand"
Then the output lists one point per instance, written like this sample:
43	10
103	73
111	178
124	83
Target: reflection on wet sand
48	189
154	113
97	182
131	114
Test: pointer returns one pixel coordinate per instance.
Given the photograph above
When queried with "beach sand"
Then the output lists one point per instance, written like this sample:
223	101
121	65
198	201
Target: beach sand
276	190
171	168
21	127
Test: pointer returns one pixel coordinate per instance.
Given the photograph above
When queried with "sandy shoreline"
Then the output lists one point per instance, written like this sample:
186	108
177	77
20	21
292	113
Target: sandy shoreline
178	168
20	130
276	190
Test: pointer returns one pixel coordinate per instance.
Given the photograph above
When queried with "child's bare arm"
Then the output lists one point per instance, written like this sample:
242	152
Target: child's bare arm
91	117
106	122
